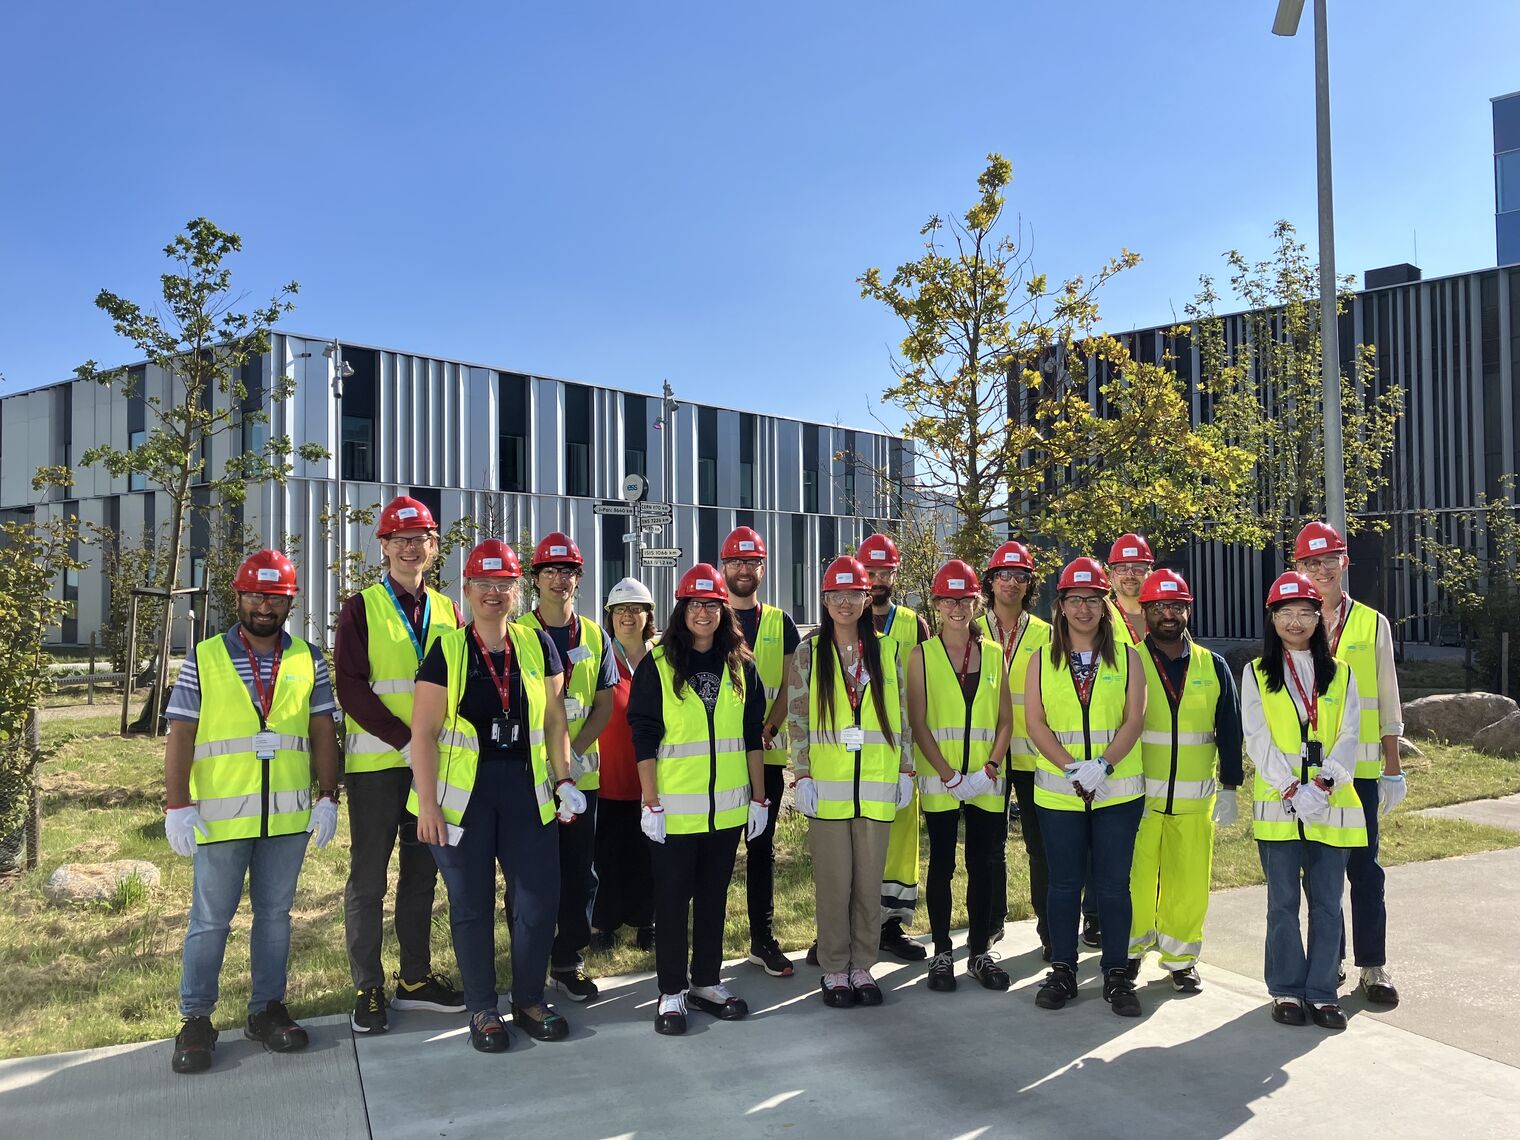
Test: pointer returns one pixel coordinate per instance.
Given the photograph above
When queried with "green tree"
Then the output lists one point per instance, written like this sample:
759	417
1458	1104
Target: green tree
129	562
196	343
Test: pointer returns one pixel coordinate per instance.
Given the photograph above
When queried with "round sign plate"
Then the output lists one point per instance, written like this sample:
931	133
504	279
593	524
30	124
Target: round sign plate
634	487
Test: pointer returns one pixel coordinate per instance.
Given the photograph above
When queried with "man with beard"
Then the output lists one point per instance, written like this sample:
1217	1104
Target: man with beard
250	721
1129	561
1192	730
772	638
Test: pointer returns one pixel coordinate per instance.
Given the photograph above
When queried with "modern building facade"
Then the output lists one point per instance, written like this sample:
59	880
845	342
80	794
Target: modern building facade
1507	177
514	452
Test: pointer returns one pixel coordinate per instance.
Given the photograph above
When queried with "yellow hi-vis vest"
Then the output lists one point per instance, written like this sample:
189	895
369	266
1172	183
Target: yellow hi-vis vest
1085	732
701	768
458	744
902	627
1036	636
1123	634
864	782
237	794
580	684
964	735
770	663
1346	826
393	663
1177	748
1356	645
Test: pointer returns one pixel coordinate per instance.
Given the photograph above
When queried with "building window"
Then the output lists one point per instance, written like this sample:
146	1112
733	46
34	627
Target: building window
614	553
359	405
136	480
577	439
636	437
707	535
1507	180
512	431
799	568
254	429
894	478
746	460
851	504
707	456
810	468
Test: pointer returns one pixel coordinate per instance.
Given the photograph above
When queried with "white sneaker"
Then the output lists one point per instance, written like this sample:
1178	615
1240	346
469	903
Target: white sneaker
718	993
673	1003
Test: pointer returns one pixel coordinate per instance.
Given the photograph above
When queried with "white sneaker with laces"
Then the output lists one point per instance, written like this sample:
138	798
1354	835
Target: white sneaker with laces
673	1003
718	993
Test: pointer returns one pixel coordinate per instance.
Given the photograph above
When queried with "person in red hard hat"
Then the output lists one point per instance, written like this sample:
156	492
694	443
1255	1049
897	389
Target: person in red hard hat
250	724
1300	712
1129	561
697	711
771	635
383	633
1363	638
590	678
961	714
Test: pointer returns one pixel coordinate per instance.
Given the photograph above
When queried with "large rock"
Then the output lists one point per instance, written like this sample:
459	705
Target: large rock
1455	717
96	882
1408	748
1502	738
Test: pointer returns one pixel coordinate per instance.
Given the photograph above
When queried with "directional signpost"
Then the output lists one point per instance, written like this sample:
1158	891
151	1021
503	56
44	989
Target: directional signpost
611	508
655	516
660	556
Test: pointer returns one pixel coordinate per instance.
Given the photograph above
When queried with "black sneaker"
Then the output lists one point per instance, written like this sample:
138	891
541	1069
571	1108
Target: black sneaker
1132	971
985	969
1119	992
1058	988
278	1031
369	1011
769	955
942	973
1186	981
897	943
547	1026
812	954
488	1034
601	941
1092	933
574	982
434	993
644	940
194	1045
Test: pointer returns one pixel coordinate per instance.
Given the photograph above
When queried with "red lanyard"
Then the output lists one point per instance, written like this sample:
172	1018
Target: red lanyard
575	627
503	689
1129	625
1341	613
960	674
1010	643
1084	688
1310	697
854	692
266	697
1166	679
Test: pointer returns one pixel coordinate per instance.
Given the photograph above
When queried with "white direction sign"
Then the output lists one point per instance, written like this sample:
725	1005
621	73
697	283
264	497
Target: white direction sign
610	508
655	513
660	552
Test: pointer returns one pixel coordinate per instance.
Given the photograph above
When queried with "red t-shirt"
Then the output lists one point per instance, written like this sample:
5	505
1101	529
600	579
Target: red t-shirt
620	767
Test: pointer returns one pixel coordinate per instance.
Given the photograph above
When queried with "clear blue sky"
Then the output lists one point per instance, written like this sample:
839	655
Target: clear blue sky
624	193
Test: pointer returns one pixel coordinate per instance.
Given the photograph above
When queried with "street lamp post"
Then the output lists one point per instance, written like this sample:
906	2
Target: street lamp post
341	370
1286	24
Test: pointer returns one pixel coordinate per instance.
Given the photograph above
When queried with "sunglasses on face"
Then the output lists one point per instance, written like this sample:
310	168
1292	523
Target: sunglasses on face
1178	608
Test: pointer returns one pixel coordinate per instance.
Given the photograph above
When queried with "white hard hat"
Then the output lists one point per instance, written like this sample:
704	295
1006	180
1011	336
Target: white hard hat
630	590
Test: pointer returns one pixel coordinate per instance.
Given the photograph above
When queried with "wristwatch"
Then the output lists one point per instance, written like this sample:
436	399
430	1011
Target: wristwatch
328	794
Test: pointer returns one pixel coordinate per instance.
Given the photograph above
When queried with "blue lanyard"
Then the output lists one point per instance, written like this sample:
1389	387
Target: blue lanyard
406	621
891	617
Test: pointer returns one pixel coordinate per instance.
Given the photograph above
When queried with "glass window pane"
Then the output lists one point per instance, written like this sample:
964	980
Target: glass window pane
1507	177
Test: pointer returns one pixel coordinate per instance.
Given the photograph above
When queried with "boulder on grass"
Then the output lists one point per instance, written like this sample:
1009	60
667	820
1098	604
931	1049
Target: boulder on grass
1408	748
1455	717
96	882
1502	738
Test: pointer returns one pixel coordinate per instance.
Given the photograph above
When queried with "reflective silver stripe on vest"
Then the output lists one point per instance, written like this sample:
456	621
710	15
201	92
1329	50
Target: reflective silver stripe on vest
244	744
1113	789
390	688
452	797
1018	698
1177	948
1182	789
451	739
543	793
934	786
1140	943
1369	704
1369	750
1098	736
252	806
843	791
698	803
1340	818
365	744
1165	738
869	736
957	733
771	691
699	748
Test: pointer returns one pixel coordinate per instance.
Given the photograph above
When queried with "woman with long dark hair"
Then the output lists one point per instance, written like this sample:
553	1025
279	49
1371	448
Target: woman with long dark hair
1301	714
697	712
852	776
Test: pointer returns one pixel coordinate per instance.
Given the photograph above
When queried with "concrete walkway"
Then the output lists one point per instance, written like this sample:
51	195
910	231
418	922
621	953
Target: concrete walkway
968	1064
1502	812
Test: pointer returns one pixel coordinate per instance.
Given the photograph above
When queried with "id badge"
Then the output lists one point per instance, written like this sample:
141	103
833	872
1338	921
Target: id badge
505	732
266	744
1314	753
864	677
579	653
574	710
852	738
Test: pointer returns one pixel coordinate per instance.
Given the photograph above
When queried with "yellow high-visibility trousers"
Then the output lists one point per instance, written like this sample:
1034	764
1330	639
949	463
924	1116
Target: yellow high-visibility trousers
899	878
1169	885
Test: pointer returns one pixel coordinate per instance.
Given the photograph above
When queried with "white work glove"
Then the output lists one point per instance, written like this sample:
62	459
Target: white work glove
1226	807
652	822
324	821
180	826
759	816
904	789
805	796
1310	803
958	786
1088	776
1330	770
572	801
978	783
1391	793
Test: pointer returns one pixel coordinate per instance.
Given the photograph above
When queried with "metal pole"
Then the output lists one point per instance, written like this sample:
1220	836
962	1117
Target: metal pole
337	388
1330	351
129	681
89	690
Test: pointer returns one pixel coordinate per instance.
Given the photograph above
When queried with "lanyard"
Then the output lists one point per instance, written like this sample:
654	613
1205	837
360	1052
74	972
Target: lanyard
408	619
886	626
1342	611
854	692
1010	643
1166	680
1129	625
266	697
503	689
960	674
574	624
1084	687
622	656
1310	697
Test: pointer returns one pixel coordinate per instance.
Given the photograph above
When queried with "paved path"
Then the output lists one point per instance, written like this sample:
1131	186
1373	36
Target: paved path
1502	812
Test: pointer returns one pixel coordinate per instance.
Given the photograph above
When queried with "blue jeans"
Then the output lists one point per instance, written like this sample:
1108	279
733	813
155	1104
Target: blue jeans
1369	910
1321	870
501	826
1104	840
271	866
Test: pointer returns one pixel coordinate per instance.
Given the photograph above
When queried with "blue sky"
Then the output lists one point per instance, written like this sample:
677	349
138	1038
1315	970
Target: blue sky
627	193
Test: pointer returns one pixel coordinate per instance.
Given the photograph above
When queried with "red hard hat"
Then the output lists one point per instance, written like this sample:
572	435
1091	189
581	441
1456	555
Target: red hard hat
493	558
1083	574
1164	586
845	573
1293	586
1318	538
878	552
556	549
1130	548
742	542
267	572
405	513
956	579
703	581
1014	555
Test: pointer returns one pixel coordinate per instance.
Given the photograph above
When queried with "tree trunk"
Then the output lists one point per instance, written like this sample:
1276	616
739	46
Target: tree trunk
33	745
158	693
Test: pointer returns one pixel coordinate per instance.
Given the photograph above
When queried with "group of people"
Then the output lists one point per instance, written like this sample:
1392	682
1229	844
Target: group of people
609	771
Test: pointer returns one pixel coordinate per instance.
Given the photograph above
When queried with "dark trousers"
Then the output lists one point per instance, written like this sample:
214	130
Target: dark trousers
986	873
1022	786
377	818
691	877
760	863
624	874
1369	908
1105	840
577	887
501	826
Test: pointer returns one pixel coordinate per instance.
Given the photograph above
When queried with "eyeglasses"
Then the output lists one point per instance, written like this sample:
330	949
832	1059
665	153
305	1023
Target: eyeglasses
844	598
705	605
628	609
1296	617
419	542
953	603
1006	575
881	577
560	571
1325	562
1165	607
1130	570
494	585
1082	601
744	563
266	599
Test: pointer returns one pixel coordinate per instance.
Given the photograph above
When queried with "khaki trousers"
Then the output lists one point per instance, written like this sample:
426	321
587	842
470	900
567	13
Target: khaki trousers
848	857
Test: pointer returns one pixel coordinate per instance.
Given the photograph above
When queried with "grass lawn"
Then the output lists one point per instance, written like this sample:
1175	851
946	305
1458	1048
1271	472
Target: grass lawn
76	978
